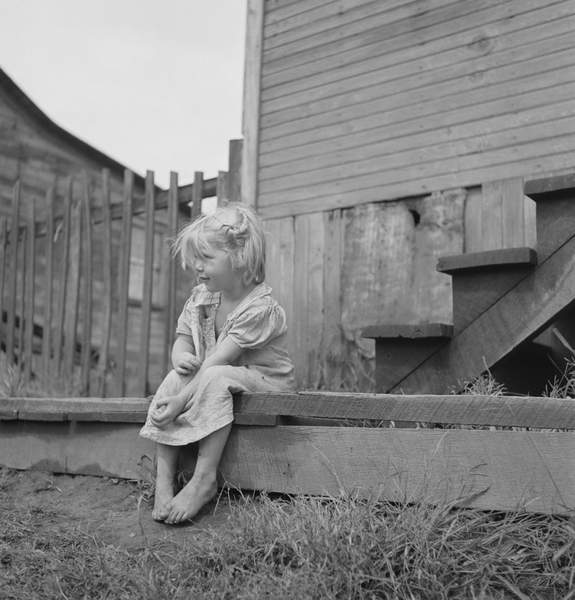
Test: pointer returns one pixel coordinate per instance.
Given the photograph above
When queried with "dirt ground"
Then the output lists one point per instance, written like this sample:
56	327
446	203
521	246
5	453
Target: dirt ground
118	512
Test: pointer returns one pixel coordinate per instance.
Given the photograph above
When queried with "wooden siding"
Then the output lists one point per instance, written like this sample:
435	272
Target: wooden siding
336	272
363	101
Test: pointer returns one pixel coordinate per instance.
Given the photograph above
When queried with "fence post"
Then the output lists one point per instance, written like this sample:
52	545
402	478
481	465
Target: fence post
3	248
27	352
222	188
13	272
197	194
147	286
86	358
49	282
172	271
235	170
126	249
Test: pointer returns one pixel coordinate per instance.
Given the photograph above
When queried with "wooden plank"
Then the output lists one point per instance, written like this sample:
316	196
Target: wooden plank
21	294
450	103
375	188
73	299
12	274
469	151
63	283
222	192
196	208
315	300
333	349
124	278
107	298
472	410
446	36
144	357
30	269
251	100
484	469
416	331
339	21
513	210
487	259
86	358
47	339
530	222
473	227
235	170
526	309
432	69
398	137
3	263
170	322
113	450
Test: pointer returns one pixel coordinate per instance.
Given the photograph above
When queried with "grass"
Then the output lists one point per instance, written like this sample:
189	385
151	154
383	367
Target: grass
301	548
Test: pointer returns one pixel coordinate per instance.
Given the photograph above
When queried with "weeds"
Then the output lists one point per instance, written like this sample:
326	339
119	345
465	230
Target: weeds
304	548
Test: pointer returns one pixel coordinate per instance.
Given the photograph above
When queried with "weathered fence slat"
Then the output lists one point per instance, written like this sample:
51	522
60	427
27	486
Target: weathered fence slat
63	285
197	194
107	279
235	170
73	299
222	192
170	323
3	248
12	274
48	283
125	253
22	295
144	348
85	359
28	349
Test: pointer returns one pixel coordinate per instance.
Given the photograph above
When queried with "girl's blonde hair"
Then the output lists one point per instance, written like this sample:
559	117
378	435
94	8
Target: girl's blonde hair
235	229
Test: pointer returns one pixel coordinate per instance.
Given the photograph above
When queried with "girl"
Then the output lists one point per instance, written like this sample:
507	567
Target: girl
231	337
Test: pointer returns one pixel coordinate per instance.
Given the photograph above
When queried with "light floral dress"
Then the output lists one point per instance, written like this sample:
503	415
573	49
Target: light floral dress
258	326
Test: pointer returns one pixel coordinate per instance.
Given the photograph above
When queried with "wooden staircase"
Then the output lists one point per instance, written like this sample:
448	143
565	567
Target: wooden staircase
501	298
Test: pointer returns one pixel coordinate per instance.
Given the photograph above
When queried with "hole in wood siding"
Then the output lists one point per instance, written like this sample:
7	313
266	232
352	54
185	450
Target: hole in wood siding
416	216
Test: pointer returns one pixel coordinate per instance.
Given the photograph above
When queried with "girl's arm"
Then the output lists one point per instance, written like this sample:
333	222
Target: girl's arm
168	408
184	360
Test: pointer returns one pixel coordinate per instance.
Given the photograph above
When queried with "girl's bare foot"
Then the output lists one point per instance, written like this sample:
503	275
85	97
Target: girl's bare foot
163	496
197	492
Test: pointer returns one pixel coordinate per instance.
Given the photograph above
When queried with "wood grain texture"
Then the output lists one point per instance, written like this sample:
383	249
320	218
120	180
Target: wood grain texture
107	276
144	358
235	159
48	282
487	259
196	208
484	469
12	274
27	350
170	320
3	263
502	411
124	277
87	262
409	331
251	100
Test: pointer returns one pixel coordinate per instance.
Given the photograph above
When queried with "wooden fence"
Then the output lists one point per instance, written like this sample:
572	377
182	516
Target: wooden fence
68	316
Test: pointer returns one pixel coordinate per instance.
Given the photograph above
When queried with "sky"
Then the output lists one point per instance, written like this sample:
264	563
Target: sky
155	84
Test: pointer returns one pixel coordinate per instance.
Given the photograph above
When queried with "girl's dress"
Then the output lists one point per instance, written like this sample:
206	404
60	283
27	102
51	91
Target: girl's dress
258	326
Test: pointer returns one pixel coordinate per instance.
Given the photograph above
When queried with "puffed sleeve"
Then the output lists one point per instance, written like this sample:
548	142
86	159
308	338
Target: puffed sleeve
258	325
185	320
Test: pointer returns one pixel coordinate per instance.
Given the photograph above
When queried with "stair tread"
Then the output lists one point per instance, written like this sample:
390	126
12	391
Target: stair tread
487	259
410	331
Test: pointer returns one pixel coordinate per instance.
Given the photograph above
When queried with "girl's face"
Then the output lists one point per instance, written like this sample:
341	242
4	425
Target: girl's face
214	268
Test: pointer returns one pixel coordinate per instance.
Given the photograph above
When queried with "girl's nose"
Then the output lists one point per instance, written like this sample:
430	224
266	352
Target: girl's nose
198	265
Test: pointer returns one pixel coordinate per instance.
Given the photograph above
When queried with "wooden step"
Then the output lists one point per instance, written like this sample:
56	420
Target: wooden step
479	279
401	348
441	463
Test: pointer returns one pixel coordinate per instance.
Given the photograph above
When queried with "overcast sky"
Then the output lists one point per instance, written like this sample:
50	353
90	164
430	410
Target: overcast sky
155	84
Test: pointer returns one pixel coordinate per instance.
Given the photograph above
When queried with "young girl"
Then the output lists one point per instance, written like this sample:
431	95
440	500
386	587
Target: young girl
231	337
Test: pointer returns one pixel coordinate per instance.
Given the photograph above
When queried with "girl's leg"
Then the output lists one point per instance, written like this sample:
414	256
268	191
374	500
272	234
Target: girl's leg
202	487
166	459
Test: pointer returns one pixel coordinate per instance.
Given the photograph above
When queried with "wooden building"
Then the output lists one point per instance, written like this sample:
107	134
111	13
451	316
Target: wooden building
38	153
380	136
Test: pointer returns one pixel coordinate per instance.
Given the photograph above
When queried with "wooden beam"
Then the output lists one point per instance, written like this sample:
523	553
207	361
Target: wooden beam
487	259
251	100
502	411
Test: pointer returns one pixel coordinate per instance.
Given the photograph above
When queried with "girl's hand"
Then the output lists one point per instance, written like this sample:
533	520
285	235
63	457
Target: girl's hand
185	363
166	410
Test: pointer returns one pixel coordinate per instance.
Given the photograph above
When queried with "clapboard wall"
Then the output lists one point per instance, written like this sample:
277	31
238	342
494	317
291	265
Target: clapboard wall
364	101
380	136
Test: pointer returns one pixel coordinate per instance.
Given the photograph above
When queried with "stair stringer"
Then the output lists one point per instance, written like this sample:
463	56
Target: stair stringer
519	314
